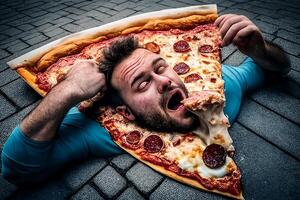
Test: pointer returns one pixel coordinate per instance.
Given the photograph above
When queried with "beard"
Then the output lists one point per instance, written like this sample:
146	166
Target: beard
158	122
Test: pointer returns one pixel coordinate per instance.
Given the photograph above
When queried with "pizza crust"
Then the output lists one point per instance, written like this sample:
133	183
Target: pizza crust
174	176
153	20
29	78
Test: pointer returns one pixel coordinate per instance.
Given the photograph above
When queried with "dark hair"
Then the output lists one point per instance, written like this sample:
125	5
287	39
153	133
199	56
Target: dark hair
115	53
112	56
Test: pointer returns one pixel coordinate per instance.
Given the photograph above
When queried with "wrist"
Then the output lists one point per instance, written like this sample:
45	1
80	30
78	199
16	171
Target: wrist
260	51
66	92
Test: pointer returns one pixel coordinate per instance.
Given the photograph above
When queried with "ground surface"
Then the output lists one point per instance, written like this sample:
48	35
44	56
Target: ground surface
266	134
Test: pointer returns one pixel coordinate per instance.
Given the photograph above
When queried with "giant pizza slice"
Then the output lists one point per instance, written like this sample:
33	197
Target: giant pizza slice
187	39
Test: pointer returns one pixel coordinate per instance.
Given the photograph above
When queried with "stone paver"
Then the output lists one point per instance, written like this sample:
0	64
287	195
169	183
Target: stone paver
123	162
271	126
110	182
22	94
6	108
143	177
266	135
129	194
171	189
87	193
80	174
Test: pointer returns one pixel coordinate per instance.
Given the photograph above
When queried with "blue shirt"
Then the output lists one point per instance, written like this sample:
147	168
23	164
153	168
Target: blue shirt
27	161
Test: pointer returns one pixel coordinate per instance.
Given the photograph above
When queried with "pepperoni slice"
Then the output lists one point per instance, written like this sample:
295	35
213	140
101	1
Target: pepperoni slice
214	156
133	137
205	49
181	46
153	144
192	77
181	68
153	47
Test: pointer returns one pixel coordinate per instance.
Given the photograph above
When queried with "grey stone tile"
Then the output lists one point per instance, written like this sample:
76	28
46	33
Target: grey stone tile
72	28
87	193
55	32
235	59
12	31
271	127
267	172
277	101
266	27
170	189
123	161
293	37
80	174
267	36
4	54
226	51
19	45
6	188
74	10
44	26
39	38
20	93
56	8
289	47
7	126
110	182
6	108
62	21
7	76
250	15
279	22
26	27
295	76
143	177
295	62
173	4
130	194
52	189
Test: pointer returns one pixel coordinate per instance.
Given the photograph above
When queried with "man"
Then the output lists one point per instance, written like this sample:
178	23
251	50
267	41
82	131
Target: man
49	138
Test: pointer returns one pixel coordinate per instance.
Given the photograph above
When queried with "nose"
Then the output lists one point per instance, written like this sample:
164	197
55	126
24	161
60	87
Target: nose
163	83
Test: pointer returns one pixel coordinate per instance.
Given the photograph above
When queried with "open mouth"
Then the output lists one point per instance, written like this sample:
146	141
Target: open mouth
174	101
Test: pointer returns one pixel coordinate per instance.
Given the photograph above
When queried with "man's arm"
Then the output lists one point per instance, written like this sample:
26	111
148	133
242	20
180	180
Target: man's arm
240	31
83	81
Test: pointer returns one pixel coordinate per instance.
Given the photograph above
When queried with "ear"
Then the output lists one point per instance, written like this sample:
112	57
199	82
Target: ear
125	112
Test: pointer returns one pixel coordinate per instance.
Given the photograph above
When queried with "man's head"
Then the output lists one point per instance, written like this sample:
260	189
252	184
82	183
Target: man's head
148	90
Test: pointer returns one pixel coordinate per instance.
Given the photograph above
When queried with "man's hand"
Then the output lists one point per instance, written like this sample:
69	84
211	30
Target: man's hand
240	31
246	36
85	80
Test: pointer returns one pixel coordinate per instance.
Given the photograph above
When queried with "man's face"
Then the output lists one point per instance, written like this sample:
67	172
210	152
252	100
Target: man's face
152	90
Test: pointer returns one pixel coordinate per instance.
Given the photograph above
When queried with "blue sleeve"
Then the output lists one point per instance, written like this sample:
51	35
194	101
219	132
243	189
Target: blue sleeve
239	80
27	161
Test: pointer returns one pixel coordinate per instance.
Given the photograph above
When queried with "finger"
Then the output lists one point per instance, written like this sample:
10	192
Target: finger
233	30
219	19
227	16
245	33
228	23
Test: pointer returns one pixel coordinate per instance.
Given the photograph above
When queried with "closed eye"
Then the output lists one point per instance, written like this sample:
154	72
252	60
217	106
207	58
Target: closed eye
143	84
161	69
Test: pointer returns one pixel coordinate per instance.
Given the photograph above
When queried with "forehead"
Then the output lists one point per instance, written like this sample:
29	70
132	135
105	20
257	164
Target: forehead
139	60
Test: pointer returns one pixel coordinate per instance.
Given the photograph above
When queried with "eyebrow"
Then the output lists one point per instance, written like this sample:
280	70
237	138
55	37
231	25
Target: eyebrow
143	73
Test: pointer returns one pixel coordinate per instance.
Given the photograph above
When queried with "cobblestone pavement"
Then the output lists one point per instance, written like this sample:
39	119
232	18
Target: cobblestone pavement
266	134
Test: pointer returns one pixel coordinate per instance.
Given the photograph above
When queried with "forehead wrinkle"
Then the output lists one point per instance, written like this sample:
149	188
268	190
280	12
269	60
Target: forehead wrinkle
126	71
